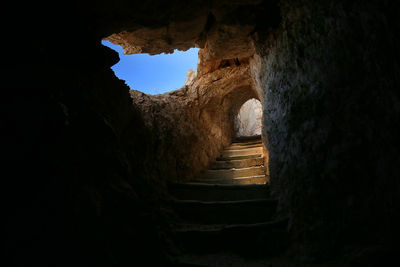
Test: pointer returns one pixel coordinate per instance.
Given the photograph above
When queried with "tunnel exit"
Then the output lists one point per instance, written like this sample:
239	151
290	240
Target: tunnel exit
248	119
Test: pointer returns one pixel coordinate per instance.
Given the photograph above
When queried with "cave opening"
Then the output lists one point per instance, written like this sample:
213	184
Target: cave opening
155	73
248	119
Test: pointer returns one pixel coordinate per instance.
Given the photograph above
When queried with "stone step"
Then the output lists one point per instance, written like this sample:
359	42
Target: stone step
257	238
247	142
241	152
218	192
259	179
234	173
239	157
243	146
241	163
225	212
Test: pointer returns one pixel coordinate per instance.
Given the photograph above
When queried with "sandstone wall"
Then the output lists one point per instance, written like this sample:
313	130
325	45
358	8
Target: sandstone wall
330	101
191	125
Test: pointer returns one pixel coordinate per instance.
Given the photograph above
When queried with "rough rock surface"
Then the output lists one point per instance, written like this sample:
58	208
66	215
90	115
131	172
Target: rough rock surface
329	101
190	75
194	123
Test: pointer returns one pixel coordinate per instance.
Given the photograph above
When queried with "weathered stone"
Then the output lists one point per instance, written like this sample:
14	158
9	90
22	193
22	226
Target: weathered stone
243	163
190	75
234	173
197	120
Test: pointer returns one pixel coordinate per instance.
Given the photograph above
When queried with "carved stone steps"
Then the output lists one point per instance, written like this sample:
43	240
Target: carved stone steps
234	173
256	238
218	192
260	179
229	209
241	163
241	152
225	212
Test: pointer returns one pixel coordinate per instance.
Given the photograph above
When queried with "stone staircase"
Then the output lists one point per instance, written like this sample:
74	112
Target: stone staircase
228	210
240	163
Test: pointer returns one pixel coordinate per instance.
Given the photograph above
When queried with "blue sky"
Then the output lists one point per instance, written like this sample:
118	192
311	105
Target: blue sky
154	74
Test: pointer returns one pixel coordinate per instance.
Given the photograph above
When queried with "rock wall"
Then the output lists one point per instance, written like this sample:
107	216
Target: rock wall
86	166
328	78
80	188
248	120
192	125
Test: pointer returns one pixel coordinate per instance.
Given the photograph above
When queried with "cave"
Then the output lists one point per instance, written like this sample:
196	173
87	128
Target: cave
93	169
